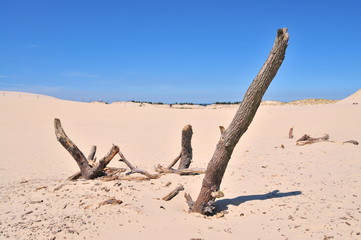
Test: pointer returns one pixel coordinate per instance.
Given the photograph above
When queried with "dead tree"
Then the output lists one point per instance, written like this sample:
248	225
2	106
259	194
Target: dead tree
239	125
186	153
87	171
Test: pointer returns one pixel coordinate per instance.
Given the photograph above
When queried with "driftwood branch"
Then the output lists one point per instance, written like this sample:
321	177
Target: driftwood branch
87	171
239	125
187	171
173	193
174	161
306	139
134	169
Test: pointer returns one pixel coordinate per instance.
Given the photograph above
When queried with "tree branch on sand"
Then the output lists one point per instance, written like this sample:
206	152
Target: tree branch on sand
88	168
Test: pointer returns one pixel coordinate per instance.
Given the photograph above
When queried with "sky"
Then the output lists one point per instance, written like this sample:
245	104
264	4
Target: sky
200	51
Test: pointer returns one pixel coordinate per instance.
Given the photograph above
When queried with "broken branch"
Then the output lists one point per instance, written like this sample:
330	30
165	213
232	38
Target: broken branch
173	193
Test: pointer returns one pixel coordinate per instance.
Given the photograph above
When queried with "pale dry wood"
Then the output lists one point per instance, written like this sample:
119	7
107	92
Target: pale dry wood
173	193
134	169
239	125
187	171
306	139
133	178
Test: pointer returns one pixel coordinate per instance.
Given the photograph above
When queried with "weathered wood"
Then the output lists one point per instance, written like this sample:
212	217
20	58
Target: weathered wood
352	142
134	169
222	129
173	193
112	201
306	139
187	151
75	176
174	161
109	172
133	178
290	133
189	200
87	171
187	171
71	147
239	125
91	157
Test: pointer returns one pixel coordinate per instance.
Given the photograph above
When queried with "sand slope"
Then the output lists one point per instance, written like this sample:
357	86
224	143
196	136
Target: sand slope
353	98
294	192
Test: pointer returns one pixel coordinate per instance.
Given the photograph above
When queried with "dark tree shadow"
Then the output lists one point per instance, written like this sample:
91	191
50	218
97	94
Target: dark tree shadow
224	203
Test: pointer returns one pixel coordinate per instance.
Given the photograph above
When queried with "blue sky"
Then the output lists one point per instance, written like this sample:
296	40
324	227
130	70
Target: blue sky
178	51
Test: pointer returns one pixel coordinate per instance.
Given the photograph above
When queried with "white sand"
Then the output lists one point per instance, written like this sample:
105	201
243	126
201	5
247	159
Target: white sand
295	192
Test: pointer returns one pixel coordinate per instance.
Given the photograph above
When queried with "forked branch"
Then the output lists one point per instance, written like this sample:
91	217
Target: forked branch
87	170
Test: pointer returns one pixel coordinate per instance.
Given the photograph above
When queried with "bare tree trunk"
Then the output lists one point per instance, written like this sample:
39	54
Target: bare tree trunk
239	125
87	171
186	154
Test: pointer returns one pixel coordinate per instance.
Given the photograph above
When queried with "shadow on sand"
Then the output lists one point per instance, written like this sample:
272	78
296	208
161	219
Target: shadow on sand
224	203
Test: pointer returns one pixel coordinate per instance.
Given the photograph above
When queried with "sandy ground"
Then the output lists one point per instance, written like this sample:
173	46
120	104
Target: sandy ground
273	188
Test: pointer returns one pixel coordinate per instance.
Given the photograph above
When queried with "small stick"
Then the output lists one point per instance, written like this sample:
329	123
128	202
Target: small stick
173	193
189	200
187	171
175	161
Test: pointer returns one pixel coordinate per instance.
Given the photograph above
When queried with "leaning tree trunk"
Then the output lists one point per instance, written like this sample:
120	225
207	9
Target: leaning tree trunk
239	125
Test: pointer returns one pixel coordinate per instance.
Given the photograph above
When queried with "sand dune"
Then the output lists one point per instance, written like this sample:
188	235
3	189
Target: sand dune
273	188
353	99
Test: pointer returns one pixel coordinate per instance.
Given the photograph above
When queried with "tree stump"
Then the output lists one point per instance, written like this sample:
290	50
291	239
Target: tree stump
187	151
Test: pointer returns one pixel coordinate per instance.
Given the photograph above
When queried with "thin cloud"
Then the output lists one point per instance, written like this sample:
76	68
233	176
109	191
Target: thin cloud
80	74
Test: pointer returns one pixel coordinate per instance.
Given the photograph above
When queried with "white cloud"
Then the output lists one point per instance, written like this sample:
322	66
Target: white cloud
79	74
